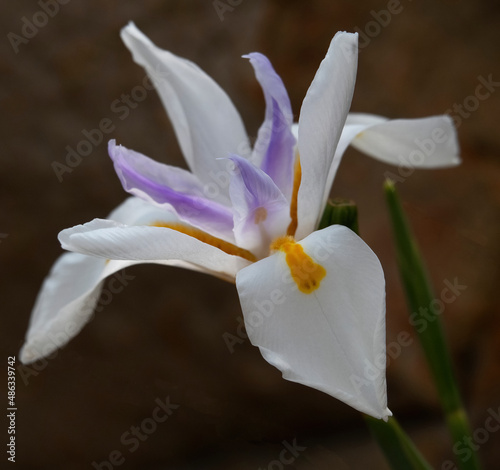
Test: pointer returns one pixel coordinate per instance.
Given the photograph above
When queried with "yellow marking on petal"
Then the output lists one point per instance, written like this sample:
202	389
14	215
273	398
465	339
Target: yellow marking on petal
306	273
205	237
297	176
260	215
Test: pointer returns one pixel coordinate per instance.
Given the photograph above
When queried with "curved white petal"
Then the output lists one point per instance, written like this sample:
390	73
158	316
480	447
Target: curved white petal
70	292
332	339
321	120
144	243
429	142
207	124
65	303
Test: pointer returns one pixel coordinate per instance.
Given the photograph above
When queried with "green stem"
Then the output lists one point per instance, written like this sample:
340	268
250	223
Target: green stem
398	449
421	301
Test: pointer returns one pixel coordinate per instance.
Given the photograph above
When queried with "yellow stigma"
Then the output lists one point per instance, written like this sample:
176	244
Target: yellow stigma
306	273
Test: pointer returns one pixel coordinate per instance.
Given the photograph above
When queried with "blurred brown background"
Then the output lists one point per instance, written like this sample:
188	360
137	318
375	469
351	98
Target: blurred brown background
163	335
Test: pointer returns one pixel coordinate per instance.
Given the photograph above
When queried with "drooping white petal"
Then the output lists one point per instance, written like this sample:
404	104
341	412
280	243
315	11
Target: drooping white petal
321	120
332	339
145	243
429	142
207	124
65	303
69	294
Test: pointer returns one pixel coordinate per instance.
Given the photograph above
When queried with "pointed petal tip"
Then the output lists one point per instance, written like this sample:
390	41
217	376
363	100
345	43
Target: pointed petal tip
112	148
386	415
33	350
129	25
25	355
129	29
255	56
345	36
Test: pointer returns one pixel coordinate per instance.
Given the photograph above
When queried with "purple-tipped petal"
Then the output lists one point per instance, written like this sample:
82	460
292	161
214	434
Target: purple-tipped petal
170	188
274	148
279	158
261	212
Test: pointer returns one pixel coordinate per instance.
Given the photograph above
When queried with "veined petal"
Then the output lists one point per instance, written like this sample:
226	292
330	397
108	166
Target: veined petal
70	292
159	241
273	151
429	142
332	338
170	188
207	124
261	212
321	120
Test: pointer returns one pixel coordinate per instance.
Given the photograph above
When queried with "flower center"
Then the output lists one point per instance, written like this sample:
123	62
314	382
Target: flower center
306	273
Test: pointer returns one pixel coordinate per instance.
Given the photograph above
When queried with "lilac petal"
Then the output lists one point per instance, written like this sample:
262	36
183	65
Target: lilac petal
273	150
279	158
171	188
261	212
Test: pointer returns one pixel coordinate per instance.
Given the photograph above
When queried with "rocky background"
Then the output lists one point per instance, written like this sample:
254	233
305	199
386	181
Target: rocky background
162	336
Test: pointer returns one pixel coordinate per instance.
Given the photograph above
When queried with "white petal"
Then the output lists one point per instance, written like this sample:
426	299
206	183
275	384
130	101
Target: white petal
207	124
111	240
321	120
332	339
69	293
429	142
65	303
